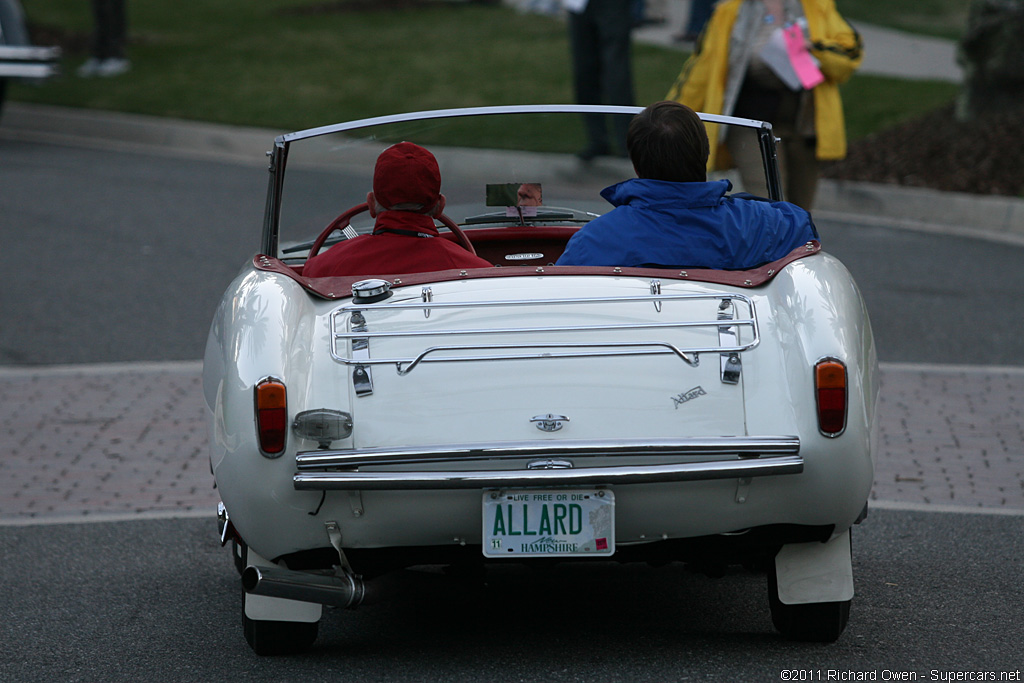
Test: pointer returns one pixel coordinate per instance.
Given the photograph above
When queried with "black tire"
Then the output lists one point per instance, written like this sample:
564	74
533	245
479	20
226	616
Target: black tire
816	622
275	638
3	93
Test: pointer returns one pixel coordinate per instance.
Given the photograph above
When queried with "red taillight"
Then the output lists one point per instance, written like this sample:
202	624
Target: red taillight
830	387
271	416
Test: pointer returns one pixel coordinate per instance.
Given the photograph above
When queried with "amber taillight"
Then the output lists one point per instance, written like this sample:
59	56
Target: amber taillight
271	417
830	388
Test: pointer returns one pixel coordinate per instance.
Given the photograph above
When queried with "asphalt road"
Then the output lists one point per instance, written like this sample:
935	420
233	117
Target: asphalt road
128	246
114	256
157	601
104	246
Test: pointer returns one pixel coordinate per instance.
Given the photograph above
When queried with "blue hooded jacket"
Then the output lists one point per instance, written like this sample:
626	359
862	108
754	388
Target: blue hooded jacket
687	225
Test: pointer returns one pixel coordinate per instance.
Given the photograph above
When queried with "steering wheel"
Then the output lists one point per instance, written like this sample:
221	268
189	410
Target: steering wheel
343	221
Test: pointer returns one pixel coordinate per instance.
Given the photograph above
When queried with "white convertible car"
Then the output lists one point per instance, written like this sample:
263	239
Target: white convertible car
527	411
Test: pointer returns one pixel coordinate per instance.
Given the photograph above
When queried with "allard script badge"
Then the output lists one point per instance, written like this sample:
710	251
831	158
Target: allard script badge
687	396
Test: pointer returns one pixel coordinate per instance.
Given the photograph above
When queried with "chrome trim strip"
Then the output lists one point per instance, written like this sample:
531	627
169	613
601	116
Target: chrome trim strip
407	305
740	446
590	476
550	328
502	109
406	365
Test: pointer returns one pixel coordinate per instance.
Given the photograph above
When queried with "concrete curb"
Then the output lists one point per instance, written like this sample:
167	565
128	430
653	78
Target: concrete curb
92	128
987	217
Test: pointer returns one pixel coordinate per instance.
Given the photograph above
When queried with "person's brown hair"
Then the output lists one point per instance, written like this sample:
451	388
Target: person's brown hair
668	141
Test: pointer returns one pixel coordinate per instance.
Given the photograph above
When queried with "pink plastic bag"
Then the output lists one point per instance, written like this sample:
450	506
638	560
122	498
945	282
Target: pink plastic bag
803	63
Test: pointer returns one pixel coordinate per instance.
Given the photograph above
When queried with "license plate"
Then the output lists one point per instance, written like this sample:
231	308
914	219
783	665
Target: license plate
549	523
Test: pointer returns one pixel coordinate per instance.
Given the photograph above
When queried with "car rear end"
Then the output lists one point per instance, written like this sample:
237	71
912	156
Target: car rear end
468	414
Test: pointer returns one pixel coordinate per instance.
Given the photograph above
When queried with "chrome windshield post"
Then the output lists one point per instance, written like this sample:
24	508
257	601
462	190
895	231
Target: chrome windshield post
770	157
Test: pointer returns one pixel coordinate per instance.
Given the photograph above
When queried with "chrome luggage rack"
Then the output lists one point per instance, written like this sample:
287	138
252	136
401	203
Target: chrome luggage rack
352	333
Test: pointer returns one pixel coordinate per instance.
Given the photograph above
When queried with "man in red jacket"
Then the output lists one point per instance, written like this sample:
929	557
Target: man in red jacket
405	199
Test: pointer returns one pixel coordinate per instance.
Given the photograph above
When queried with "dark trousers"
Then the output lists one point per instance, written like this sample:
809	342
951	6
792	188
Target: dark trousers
602	60
700	13
111	29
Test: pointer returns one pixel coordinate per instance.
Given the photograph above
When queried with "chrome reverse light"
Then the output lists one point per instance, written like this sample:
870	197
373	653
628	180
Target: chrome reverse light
322	425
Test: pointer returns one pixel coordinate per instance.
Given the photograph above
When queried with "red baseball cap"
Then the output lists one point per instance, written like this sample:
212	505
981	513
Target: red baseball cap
406	174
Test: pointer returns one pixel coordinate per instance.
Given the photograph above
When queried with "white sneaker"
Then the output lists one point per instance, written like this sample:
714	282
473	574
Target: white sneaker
89	68
115	66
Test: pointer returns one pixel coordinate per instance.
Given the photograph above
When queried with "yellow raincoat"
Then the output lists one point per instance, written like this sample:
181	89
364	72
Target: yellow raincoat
836	45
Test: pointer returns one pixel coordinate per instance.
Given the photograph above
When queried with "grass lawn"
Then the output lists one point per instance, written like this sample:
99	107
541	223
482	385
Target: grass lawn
292	64
942	18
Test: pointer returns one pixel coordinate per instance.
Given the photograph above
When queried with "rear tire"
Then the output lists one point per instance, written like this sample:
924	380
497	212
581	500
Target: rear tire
816	622
274	638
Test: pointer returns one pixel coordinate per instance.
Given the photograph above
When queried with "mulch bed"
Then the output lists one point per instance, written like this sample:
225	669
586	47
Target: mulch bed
938	152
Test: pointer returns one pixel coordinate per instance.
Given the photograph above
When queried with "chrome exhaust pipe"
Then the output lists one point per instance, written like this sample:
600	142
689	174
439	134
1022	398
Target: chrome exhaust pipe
346	590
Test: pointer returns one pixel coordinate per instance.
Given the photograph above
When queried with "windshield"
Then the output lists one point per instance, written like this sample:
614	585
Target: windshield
499	167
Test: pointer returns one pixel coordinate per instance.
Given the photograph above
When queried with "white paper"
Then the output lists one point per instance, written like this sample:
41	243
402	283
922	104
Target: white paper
776	55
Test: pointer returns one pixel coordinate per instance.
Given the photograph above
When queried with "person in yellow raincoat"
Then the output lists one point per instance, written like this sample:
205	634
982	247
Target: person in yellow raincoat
730	74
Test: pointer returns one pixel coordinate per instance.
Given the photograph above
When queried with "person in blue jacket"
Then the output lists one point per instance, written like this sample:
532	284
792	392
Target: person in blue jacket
670	215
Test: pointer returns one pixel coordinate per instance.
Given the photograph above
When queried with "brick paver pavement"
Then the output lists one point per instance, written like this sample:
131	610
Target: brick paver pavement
951	436
103	440
83	442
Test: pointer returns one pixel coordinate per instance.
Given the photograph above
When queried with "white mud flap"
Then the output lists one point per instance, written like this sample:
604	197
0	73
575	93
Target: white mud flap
263	608
815	572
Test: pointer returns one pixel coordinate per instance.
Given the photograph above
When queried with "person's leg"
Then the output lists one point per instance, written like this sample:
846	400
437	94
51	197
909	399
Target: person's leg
586	71
616	53
700	13
111	29
118	28
101	36
798	164
746	154
802	171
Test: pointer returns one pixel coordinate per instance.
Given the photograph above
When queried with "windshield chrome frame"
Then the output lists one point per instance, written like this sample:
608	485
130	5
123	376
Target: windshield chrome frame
279	155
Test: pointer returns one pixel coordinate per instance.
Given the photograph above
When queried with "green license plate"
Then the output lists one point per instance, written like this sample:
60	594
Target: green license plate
549	523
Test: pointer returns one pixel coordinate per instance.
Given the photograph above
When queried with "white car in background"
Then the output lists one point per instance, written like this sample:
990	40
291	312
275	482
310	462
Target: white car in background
527	411
19	59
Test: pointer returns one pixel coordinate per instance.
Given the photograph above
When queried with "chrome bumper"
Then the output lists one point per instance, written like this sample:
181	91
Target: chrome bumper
552	464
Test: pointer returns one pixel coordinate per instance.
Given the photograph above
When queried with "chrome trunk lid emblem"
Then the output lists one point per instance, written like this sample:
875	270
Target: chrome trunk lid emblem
549	422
